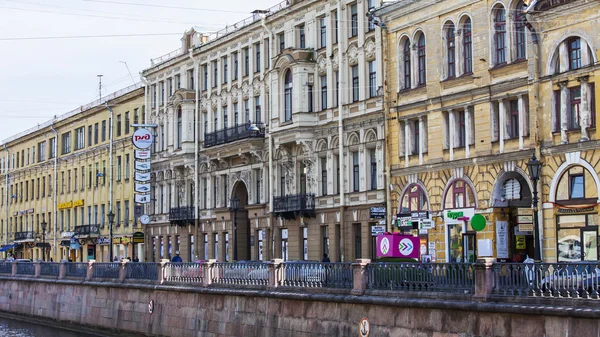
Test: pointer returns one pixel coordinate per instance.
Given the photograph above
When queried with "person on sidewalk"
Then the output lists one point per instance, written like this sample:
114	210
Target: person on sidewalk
176	258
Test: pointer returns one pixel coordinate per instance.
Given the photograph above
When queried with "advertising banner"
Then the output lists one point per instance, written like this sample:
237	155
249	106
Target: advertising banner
142	198
142	165
394	245
142	176
142	138
142	188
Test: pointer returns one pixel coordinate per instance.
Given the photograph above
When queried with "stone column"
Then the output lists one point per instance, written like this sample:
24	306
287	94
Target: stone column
584	111
564	94
360	276
90	271
37	267
484	279
207	272
276	275
62	270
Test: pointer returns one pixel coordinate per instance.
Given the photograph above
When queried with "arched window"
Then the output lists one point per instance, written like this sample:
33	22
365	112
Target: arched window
574	45
179	128
520	31
414	199
422	59
406	52
288	95
459	195
450	50
467	46
500	35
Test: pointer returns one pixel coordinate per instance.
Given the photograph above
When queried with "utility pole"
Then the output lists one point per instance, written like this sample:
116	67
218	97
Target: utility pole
100	86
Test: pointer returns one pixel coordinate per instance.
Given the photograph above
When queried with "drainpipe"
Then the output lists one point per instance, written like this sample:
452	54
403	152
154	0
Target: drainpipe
270	140
341	28
536	88
55	183
196	140
7	200
110	178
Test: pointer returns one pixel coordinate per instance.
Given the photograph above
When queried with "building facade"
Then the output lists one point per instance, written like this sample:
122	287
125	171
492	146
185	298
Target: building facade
472	88
59	173
290	137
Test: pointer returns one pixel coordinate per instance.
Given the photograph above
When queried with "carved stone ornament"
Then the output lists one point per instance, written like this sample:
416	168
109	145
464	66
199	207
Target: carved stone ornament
335	60
288	166
257	85
235	92
370	50
246	90
224	100
245	159
311	173
353	55
214	102
322	66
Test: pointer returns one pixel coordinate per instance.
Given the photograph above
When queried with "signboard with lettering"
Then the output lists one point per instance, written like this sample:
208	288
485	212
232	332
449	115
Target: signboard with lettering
502	239
376	230
77	203
142	138
138	237
394	245
65	205
458	216
525	227
142	198
377	213
142	154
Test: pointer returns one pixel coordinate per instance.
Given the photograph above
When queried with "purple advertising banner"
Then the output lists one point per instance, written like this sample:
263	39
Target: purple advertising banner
394	245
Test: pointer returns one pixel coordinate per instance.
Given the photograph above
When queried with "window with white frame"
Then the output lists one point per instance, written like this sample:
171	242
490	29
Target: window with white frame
372	78
467	45
324	92
450	50
421	60
287	92
355	83
323	32
404	66
499	25
519	31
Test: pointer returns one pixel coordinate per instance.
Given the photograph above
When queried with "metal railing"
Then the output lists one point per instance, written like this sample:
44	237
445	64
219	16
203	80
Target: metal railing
85	231
183	272
49	269
558	280
317	275
25	268
24	236
251	273
181	214
228	135
439	277
289	206
142	271
5	268
76	269
106	270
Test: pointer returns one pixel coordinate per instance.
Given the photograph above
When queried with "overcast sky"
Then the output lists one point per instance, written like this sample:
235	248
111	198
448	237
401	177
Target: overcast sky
40	78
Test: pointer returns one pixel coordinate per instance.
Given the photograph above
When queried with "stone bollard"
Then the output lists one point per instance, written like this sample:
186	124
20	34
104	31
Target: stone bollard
122	271
62	270
162	271
14	269
37	269
360	276
207	272
484	278
276	276
90	270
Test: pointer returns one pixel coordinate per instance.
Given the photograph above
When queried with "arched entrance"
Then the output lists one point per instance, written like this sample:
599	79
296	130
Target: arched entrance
240	222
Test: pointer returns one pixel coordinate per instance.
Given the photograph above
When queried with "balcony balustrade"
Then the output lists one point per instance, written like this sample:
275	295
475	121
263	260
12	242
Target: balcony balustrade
228	135
181	215
86	231
24	236
291	206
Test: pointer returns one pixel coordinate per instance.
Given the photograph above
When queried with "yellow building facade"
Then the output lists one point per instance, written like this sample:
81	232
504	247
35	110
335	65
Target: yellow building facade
58	173
470	95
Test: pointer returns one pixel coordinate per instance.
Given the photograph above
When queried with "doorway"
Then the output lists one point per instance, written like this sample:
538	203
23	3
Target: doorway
241	223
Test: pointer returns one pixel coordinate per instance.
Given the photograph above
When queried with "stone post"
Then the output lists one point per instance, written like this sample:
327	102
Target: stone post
484	278
62	270
207	272
360	276
90	270
123	271
14	269
276	276
161	271
37	269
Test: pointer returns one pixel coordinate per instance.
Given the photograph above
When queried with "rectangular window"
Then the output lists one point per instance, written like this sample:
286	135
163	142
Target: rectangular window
355	87
574	108
355	172
127	167
336	94
190	75
118	125
373	159
513	127
103	131
96	133
215	74
126	220
205	76
301	37
118	173
225	73
90	176
66	142
234	56
281	38
127	122
41	151
170	86
246	62
102	214
324	92
225	118
80	138
89	135
177	82
324	176
323	35
118	214
353	20
311	95
257	58
460	128
357	241
416	144
372	79
371	6
257	111
162	93
335	28
576	186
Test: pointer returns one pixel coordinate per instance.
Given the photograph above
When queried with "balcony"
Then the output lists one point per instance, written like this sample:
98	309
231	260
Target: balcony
24	236
181	215
233	134
86	231
291	206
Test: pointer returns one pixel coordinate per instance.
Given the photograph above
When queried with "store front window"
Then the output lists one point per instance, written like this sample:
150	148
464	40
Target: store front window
459	208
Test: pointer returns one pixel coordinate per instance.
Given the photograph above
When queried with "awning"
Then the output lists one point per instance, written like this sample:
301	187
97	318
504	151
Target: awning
43	245
5	248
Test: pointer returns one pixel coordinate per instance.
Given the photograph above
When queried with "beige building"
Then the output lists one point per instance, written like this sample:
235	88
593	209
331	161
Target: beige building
472	94
290	101
59	173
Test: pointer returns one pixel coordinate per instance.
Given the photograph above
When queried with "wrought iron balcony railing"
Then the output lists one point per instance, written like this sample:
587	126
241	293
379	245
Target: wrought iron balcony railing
86	231
291	206
181	215
24	236
232	134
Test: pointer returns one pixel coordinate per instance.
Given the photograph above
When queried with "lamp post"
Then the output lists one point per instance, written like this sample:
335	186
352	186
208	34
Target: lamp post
535	166
235	204
111	220
44	224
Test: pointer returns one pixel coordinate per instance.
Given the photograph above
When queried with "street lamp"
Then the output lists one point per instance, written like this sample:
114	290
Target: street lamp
535	166
44	224
111	220
235	204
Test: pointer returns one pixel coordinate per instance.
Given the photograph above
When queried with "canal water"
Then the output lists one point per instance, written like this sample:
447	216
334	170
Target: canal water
10	327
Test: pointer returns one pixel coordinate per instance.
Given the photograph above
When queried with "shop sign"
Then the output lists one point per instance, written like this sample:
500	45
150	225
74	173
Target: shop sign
142	154
103	241
142	138
458	216
23	212
525	219
421	215
376	230
524	211
142	198
426	224
576	210
142	188
526	227
142	176
377	213
142	165
404	222
78	203
116	241
393	245
30	210
502	239
138	237
74	244
65	205
520	242
125	240
15	213
67	234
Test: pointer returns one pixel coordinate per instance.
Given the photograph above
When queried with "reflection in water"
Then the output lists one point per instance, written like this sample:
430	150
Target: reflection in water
14	328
